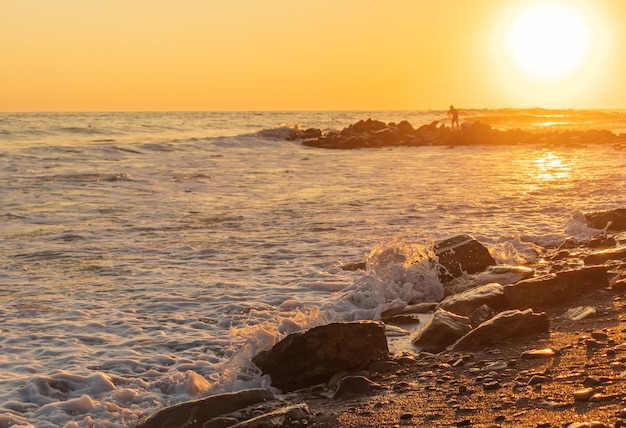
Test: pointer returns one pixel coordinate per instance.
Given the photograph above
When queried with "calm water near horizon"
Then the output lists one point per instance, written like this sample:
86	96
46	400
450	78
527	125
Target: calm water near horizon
144	257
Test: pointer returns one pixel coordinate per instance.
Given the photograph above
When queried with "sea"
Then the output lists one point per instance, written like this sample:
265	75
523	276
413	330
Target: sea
146	257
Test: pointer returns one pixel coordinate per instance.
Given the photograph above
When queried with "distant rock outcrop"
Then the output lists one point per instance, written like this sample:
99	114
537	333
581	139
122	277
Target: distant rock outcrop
375	133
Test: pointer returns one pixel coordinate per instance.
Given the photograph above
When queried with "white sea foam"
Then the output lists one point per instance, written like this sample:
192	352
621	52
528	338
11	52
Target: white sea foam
149	266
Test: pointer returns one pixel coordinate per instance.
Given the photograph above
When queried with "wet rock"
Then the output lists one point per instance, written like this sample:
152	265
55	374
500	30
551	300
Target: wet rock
221	422
619	286
468	301
602	241
310	133
506	324
580	313
536	379
539	353
441	330
354	386
490	385
500	274
594	424
308	358
601	257
482	314
555	288
193	414
461	254
283	417
418	308
611	220
583	394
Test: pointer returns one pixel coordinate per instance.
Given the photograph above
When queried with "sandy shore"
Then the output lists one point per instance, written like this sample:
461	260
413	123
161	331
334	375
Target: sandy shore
583	382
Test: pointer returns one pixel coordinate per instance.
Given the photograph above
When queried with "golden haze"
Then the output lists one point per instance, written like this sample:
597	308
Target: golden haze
72	55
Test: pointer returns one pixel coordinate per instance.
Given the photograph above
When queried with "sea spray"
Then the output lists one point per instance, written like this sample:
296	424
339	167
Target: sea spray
398	273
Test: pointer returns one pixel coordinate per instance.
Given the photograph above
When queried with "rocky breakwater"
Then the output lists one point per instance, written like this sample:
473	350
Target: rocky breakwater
529	346
375	133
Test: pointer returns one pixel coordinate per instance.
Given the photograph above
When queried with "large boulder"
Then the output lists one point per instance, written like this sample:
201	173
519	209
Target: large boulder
555	288
193	414
441	330
308	358
611	220
503	326
459	255
468	301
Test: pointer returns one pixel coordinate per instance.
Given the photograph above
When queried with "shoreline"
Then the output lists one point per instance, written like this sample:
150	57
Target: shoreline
570	374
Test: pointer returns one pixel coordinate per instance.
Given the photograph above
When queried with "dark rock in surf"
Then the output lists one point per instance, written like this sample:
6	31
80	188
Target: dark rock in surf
614	220
309	358
441	330
459	255
193	414
310	133
555	288
505	325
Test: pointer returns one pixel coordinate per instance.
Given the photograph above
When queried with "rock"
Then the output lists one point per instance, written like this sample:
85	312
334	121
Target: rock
310	133
466	302
619	286
505	325
601	257
537	379
602	241
539	353
354	386
482	314
584	394
611	220
555	288
221	422
308	358
441	330
461	254
501	274
580	313
363	126
193	414
283	417
417	308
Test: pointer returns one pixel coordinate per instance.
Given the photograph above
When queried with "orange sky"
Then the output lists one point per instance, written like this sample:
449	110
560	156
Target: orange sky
121	55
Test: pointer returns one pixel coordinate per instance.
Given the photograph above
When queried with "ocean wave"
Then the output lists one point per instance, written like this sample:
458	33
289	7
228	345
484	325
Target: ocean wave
89	177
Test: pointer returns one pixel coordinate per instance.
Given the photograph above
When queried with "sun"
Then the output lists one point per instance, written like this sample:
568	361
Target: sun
549	41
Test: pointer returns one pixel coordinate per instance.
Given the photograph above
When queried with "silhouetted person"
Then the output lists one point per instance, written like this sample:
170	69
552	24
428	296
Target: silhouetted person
453	114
